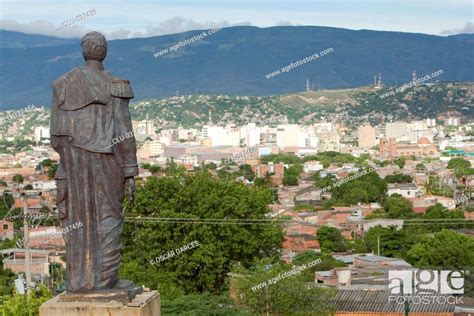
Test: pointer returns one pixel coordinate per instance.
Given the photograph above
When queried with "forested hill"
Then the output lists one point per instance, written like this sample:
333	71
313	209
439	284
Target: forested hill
236	60
352	105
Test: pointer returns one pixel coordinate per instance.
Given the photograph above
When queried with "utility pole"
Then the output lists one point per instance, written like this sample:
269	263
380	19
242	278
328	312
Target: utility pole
26	237
378	245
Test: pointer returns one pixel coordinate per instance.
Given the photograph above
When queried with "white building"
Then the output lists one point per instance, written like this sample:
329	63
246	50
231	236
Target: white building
44	185
229	136
407	190
312	166
287	135
250	133
397	130
42	134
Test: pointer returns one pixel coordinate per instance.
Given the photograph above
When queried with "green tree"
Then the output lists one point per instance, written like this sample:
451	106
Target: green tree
398	178
461	166
290	180
366	188
52	170
291	174
277	158
6	281
18	178
47	162
331	239
287	296
396	206
327	263
6	202
3	183
392	241
202	304
420	167
21	305
154	169
445	249
203	268
400	162
145	165
28	187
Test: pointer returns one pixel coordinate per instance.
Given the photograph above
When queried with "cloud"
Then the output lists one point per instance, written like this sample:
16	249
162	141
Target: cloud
468	28
177	24
42	27
285	23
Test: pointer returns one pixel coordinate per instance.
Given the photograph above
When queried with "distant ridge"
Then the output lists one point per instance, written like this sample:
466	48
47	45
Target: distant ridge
235	61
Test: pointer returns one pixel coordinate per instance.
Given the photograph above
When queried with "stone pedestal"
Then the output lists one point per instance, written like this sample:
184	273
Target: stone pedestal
144	304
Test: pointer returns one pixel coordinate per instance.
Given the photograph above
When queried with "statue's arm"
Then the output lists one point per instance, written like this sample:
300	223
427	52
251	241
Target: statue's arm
126	150
57	142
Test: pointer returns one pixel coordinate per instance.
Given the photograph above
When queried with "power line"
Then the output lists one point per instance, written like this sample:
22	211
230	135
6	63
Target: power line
243	221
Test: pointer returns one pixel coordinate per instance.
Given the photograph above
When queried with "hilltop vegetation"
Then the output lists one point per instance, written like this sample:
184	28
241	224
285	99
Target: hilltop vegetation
359	105
355	106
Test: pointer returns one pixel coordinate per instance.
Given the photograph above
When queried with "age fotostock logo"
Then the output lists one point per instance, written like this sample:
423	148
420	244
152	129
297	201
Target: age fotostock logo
426	286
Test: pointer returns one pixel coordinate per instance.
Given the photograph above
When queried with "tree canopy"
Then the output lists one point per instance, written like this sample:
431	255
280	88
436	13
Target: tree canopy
204	268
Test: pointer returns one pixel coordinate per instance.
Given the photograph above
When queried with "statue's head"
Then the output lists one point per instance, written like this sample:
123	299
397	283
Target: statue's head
94	46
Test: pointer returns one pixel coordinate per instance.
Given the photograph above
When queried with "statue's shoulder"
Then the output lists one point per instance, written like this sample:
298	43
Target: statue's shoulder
59	85
71	74
120	88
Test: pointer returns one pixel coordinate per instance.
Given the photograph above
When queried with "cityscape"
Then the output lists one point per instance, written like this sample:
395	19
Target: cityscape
270	180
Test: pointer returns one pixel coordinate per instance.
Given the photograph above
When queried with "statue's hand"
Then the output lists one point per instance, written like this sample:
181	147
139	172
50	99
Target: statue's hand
130	186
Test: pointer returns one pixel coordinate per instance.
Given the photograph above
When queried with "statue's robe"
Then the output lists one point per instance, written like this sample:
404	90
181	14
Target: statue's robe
89	110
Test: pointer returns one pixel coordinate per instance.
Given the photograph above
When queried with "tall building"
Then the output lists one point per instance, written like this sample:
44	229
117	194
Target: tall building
366	136
329	141
250	133
287	135
144	127
397	130
41	134
219	135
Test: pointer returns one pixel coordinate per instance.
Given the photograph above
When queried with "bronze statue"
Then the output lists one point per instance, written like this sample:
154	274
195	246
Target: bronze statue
89	110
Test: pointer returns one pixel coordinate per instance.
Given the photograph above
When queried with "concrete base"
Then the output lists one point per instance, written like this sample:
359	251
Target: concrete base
144	304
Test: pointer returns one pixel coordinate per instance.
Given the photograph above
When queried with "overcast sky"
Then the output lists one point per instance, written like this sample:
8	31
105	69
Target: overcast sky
144	18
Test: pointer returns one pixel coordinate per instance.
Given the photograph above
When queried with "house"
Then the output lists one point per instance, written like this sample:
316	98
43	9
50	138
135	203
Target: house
275	171
368	224
6	230
300	236
309	196
373	261
407	190
46	237
300	242
312	166
14	259
44	185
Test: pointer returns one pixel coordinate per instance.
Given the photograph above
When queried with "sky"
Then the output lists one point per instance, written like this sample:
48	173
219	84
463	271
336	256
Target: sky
119	19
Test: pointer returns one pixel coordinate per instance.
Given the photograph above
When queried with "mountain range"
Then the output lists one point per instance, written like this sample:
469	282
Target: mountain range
235	61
